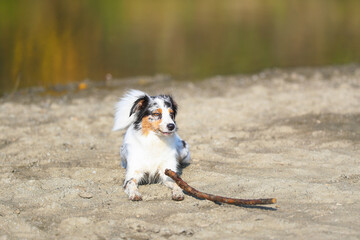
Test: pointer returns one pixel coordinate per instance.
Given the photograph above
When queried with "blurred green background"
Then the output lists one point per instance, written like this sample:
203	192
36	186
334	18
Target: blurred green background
49	42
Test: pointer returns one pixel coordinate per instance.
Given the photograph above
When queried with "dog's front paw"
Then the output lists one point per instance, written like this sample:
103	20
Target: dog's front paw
132	191
177	195
135	197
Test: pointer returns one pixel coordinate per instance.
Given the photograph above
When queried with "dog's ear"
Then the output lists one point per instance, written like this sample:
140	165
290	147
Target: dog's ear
139	104
174	105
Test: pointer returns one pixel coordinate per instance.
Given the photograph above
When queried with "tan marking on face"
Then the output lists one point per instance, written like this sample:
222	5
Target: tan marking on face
159	110
148	125
145	125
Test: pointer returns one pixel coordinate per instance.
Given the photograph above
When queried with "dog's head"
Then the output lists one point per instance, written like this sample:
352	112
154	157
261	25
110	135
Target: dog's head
155	113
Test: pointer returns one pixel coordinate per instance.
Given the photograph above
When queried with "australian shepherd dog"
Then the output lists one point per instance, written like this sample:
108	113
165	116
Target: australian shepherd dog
151	143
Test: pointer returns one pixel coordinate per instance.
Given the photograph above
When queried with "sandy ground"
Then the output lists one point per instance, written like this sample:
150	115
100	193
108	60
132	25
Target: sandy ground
291	134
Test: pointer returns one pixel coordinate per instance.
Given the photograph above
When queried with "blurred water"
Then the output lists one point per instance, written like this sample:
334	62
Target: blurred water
46	42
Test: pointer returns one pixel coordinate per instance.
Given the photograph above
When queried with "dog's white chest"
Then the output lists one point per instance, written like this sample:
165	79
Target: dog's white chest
150	152
158	150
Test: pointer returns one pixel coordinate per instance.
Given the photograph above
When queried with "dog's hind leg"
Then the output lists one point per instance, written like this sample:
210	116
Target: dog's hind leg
183	152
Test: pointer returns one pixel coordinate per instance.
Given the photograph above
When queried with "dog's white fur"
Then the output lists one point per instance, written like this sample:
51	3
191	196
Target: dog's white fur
123	107
147	153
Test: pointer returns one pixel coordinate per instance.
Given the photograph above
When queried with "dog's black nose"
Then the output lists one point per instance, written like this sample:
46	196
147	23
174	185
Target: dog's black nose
171	126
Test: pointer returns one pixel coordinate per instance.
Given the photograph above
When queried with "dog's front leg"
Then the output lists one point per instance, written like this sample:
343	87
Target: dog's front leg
177	193
131	190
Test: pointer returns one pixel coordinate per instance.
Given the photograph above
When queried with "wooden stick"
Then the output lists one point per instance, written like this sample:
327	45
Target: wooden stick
235	201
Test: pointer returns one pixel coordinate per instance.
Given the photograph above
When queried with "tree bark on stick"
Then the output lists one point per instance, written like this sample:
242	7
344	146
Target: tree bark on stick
201	195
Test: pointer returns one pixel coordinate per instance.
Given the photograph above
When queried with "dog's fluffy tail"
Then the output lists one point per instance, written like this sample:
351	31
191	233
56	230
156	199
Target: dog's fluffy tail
123	107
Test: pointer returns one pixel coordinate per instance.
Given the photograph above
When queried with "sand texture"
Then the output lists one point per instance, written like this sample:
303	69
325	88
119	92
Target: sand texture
291	134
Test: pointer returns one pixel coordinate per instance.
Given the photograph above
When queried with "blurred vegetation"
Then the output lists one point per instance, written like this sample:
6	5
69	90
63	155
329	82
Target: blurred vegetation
45	42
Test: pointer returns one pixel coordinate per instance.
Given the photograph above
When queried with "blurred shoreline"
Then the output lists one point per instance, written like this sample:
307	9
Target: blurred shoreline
47	43
162	80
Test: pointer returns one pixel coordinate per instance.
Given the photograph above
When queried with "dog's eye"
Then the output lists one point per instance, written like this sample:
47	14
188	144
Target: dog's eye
156	114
